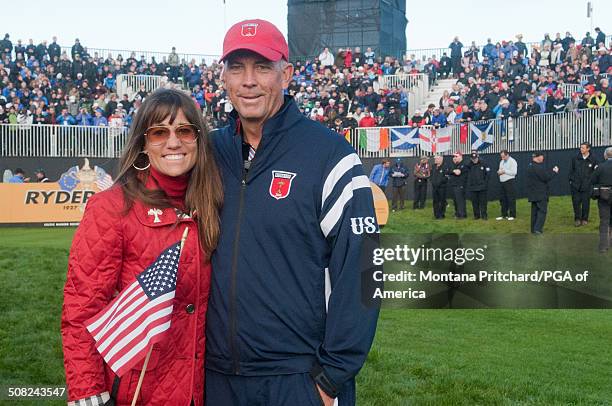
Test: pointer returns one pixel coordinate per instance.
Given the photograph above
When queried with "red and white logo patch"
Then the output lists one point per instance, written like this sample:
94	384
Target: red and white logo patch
281	184
249	30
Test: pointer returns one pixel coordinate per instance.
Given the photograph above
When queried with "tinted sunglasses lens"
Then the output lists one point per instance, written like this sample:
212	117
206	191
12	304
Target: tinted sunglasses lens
158	135
187	133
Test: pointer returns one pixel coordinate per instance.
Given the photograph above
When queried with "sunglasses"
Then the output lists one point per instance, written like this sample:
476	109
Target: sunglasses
158	135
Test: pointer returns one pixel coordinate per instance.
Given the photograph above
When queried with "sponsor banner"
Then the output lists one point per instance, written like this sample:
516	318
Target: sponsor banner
52	204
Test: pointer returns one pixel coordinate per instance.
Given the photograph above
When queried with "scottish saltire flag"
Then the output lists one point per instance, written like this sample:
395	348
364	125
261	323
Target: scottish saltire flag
404	138
126	328
435	140
482	135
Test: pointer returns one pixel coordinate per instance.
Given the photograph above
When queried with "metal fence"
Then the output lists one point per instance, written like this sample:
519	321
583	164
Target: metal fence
130	84
158	55
584	79
46	140
424	54
569	88
417	86
540	132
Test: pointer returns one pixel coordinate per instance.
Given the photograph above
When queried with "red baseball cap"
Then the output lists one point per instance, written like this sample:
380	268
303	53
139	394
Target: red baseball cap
259	36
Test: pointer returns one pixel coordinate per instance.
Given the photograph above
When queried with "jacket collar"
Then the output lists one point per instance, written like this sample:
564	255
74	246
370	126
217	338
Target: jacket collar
157	217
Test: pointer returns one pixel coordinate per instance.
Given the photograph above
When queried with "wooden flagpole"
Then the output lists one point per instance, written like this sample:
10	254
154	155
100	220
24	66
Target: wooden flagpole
146	361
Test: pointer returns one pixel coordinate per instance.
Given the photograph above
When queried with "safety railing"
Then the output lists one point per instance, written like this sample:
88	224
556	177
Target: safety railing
417	85
539	132
569	88
413	54
131	84
585	79
46	140
148	55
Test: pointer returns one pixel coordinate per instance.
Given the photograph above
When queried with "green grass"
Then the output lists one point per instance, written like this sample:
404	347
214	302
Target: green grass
560	219
419	357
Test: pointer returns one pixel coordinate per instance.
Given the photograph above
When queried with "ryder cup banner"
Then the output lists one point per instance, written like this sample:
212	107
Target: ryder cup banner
52	204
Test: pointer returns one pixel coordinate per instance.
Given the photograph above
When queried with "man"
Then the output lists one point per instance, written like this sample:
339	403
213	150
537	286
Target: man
456	53
538	178
298	215
439	180
422	172
601	37
173	64
18	176
581	169
380	174
54	49
445	65
456	183
77	49
370	57
326	58
602	179
477	185
40	176
399	175
507	171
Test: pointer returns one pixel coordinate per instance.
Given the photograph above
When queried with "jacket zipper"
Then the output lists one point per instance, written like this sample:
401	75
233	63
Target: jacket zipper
233	304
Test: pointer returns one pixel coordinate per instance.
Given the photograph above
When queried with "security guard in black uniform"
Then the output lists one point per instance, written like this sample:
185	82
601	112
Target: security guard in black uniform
456	184
602	184
439	180
581	170
538	178
477	183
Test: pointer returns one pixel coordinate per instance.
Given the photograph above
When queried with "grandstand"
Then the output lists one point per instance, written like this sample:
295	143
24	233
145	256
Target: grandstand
47	86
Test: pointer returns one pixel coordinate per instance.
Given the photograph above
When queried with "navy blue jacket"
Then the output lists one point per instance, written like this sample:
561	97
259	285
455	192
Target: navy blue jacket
295	228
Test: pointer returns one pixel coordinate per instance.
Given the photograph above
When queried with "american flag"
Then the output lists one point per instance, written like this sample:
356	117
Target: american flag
126	328
104	182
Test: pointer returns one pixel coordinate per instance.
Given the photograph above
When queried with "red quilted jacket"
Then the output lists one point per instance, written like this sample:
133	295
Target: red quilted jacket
108	251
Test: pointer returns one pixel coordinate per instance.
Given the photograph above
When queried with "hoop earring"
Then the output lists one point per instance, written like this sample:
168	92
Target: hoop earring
141	169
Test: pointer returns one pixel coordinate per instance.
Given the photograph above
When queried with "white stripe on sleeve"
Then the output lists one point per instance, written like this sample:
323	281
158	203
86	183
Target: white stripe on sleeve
342	167
333	215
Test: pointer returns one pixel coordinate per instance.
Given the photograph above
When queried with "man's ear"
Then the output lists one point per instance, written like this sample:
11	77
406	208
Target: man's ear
287	75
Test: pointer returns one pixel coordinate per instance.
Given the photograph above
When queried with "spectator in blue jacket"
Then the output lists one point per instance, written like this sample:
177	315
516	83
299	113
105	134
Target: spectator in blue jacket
438	119
84	118
380	174
18	177
65	118
456	48
99	120
487	50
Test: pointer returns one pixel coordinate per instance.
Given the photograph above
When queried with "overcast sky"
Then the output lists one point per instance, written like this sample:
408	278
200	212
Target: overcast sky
197	26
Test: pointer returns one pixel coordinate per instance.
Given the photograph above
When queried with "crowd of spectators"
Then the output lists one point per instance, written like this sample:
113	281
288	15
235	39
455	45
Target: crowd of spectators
506	79
43	84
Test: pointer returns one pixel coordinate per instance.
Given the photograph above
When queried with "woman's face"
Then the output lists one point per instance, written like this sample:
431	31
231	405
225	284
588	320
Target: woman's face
174	157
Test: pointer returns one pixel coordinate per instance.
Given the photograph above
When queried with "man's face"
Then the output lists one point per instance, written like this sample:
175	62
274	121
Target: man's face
457	158
504	156
584	149
255	85
387	164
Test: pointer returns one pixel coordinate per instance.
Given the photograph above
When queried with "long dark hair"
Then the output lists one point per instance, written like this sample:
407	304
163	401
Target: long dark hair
204	194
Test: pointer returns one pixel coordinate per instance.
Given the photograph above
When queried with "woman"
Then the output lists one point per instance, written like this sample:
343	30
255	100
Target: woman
167	182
